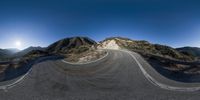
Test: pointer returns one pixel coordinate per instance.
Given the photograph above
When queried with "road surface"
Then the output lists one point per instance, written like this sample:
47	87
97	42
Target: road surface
116	77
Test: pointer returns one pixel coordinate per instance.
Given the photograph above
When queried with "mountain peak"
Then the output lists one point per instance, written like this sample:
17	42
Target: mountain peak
68	43
142	47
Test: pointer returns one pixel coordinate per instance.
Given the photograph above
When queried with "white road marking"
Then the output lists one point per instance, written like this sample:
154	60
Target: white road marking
148	77
8	86
156	83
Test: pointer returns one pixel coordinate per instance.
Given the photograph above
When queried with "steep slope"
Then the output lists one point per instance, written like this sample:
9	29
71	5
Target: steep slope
36	53
143	47
3	53
190	50
76	49
6	54
12	50
66	44
170	62
27	50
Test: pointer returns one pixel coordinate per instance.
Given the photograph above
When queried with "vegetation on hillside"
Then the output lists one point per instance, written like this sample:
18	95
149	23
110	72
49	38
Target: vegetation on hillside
194	51
147	48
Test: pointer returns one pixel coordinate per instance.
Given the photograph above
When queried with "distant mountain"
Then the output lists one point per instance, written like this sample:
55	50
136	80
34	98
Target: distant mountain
69	43
143	47
27	50
6	54
195	51
80	44
13	50
36	53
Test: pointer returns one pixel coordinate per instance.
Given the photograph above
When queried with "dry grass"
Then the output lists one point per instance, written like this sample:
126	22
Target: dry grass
174	65
87	56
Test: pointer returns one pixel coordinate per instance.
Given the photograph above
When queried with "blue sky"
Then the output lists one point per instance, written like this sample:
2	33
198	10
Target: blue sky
41	22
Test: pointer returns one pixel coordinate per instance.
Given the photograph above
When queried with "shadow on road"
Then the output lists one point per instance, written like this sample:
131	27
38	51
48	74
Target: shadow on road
175	75
12	72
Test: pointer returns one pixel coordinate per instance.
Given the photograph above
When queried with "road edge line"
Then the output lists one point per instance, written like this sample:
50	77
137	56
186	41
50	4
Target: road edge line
158	84
86	62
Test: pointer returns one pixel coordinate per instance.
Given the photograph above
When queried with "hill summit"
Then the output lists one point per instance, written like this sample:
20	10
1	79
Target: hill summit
143	47
69	43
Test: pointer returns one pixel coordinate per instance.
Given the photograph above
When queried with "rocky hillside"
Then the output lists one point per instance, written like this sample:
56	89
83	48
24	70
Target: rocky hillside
67	45
143	47
190	51
6	54
74	49
177	64
64	45
83	49
27	50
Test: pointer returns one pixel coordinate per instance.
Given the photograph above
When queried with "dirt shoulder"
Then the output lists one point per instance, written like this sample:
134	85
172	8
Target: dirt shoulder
174	69
85	57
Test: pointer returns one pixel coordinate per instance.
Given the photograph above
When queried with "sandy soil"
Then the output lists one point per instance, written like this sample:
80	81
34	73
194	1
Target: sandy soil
85	56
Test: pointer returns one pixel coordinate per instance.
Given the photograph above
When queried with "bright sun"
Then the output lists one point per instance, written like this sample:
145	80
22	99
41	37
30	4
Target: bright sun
18	44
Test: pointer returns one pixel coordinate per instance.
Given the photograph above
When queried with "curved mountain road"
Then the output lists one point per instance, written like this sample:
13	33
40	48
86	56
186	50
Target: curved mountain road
116	77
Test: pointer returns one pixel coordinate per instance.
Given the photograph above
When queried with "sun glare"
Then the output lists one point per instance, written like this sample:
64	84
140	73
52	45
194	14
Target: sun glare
18	44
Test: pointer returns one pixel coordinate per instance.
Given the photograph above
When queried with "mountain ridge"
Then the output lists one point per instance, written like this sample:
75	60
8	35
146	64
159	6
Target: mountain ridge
65	44
195	51
83	49
143	46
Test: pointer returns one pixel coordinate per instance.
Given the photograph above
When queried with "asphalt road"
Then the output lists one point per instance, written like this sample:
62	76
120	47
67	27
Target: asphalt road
116	77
